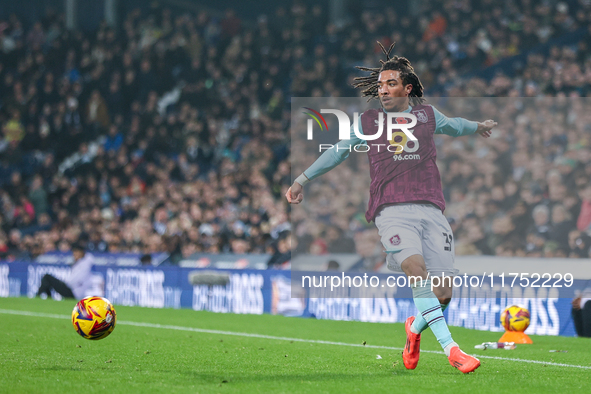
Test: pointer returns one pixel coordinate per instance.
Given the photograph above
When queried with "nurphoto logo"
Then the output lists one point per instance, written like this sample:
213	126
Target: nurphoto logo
397	124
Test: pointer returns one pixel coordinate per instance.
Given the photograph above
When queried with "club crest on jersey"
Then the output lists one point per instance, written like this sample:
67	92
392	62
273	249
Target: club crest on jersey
395	240
421	115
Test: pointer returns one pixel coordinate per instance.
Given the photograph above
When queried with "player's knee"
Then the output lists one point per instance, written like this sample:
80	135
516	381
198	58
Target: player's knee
444	300
415	266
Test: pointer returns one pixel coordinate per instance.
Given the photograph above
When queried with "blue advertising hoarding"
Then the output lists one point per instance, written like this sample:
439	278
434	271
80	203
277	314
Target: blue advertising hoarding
269	291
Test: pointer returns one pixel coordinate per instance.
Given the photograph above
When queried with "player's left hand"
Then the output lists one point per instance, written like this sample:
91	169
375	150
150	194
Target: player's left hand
484	128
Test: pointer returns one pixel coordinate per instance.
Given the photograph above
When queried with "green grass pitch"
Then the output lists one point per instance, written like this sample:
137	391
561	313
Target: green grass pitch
183	351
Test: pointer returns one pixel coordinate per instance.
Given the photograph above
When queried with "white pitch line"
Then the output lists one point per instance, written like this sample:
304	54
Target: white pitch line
248	335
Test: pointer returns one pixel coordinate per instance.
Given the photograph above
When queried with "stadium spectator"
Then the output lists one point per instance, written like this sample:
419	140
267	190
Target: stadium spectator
97	113
333	265
579	243
38	196
584	220
339	242
114	140
282	252
367	245
146	259
540	227
13	129
561	224
581	313
78	282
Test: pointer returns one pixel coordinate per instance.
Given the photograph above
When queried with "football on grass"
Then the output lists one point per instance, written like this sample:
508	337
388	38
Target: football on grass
94	318
515	318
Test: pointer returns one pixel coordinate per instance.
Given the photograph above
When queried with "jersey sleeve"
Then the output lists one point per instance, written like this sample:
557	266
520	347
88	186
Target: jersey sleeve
335	155
455	127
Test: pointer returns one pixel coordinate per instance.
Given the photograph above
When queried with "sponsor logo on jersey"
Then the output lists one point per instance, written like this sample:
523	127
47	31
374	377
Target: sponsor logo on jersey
395	240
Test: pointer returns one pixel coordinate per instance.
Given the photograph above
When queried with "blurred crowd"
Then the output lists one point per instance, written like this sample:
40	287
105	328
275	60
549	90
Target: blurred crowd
170	133
524	192
527	191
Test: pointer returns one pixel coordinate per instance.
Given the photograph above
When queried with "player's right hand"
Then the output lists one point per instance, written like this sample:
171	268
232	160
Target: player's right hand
295	194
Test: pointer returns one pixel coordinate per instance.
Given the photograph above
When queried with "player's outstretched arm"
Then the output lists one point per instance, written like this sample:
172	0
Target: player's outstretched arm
484	128
326	162
457	127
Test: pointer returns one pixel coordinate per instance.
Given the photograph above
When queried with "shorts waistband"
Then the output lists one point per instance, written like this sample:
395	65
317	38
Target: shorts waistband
421	203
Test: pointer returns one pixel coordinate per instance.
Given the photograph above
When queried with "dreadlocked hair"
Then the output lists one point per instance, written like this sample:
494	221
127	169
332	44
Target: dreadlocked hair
369	84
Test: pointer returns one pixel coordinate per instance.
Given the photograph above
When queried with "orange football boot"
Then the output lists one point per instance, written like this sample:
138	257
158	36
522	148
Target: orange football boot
411	352
463	361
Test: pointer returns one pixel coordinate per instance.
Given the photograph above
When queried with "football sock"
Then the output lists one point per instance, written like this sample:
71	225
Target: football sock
447	349
419	324
430	309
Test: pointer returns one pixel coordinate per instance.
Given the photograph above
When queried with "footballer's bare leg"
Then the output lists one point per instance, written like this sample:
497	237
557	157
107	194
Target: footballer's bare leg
430	309
413	266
